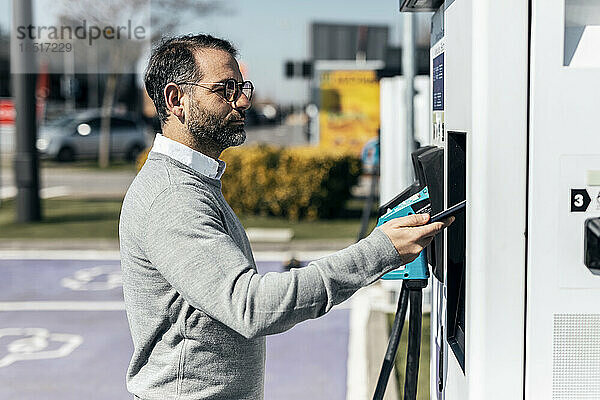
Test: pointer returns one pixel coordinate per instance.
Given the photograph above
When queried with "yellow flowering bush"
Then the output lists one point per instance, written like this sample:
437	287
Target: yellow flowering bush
296	183
141	159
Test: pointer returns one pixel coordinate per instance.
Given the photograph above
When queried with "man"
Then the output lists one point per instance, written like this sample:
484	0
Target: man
197	308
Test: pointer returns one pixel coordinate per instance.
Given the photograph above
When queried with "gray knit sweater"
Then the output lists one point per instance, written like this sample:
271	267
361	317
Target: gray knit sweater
198	310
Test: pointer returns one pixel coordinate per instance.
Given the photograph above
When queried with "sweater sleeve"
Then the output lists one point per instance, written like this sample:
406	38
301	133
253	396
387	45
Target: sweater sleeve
188	244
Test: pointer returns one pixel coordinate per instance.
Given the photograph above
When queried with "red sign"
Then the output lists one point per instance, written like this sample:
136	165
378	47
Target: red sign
7	112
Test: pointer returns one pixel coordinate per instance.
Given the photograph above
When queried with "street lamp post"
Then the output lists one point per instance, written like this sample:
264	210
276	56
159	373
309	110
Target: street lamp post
408	70
26	164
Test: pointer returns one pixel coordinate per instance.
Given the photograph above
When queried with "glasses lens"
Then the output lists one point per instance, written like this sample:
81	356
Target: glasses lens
230	89
247	89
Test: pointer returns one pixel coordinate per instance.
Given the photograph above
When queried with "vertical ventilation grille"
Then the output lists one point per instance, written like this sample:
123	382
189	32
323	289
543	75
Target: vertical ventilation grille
576	357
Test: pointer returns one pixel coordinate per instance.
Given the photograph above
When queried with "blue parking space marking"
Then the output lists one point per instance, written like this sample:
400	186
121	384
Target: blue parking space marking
269	266
70	280
56	354
310	360
95	368
60	280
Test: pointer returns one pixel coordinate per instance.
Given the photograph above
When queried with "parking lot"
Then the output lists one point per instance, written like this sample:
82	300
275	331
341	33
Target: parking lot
64	335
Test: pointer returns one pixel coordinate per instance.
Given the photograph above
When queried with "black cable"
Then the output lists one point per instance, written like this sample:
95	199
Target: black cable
414	344
392	348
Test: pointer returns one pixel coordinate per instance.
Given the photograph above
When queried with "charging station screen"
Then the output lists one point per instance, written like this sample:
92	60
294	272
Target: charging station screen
438	83
456	246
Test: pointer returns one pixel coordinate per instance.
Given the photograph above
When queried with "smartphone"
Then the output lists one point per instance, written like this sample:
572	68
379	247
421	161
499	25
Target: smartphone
455	209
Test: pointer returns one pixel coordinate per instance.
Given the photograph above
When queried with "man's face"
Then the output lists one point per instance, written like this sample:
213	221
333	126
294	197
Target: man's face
210	117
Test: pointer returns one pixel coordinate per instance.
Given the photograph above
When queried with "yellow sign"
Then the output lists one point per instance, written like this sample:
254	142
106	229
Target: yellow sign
349	115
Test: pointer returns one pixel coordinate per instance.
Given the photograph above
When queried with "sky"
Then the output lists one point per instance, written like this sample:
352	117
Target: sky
269	32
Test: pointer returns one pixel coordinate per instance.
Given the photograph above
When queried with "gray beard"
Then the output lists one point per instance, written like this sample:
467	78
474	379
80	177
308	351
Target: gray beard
207	128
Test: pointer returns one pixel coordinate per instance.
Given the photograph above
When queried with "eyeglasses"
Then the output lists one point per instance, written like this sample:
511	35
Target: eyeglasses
232	89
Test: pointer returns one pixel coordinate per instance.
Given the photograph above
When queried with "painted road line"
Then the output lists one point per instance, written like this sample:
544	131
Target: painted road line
270	235
32	344
58	255
259	256
62	306
54	191
87	306
60	280
7	192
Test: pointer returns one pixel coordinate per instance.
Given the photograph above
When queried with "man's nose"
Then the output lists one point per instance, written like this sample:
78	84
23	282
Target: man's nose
242	102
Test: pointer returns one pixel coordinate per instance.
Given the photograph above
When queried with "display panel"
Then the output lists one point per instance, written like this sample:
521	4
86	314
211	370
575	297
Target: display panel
456	236
431	167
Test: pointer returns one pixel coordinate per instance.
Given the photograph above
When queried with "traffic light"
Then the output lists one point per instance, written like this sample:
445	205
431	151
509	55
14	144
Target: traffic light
307	69
289	69
298	69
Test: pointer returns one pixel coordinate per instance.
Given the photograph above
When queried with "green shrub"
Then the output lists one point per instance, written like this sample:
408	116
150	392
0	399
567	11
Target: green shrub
296	183
141	158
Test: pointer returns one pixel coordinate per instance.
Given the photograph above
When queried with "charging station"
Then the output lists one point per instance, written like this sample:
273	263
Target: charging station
514	131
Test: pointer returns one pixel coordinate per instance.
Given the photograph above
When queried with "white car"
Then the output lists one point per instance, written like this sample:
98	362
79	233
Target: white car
77	136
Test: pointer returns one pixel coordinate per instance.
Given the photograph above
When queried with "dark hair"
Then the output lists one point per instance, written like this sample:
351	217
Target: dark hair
173	61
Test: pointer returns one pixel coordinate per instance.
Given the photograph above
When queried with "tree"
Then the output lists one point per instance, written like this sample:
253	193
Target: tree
164	16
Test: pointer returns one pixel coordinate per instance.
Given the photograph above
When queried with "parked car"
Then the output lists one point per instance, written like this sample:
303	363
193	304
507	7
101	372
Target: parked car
77	136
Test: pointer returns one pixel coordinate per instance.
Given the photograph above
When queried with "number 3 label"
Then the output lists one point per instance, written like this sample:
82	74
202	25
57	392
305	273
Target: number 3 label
580	200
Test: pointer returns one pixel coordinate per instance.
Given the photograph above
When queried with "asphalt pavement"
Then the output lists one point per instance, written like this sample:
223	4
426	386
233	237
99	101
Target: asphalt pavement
64	335
67	181
60	180
63	328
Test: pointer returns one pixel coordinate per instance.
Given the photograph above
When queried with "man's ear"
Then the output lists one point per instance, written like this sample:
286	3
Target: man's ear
174	101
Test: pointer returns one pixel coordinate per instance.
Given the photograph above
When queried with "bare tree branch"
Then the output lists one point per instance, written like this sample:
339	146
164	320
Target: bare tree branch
168	14
164	17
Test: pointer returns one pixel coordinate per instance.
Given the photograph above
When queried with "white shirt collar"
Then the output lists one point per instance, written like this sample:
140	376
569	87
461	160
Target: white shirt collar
188	156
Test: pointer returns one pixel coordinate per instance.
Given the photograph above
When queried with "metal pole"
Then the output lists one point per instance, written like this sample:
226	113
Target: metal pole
408	70
26	163
92	65
69	79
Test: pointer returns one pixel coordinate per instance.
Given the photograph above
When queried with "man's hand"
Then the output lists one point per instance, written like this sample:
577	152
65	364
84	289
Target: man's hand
410	235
